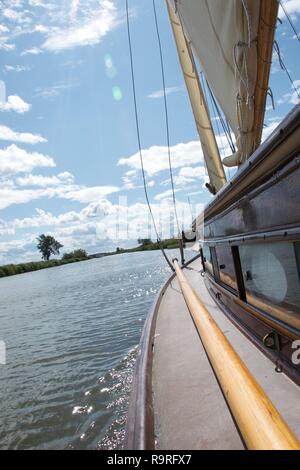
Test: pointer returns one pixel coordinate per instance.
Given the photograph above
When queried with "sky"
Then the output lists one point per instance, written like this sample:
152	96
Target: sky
69	163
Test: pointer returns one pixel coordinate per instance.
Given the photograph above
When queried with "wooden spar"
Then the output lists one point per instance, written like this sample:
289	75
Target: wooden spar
199	106
257	419
266	33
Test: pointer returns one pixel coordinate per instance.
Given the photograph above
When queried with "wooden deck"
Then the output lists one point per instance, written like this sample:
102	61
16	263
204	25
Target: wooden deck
190	411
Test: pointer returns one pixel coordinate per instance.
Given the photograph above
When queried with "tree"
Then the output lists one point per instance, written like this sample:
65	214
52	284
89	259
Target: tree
48	246
76	254
144	241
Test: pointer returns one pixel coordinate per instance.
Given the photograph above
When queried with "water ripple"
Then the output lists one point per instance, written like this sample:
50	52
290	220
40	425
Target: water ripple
71	334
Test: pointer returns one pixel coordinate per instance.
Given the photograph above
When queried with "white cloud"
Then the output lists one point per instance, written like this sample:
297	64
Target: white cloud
193	172
44	219
4	46
271	126
39	28
160	93
56	187
293	96
13	196
156	158
64	178
165	195
3	29
100	226
17	68
13	160
40	220
91	194
31	51
292	7
55	90
15	15
15	103
186	176
60	25
25	137
14	245
87	33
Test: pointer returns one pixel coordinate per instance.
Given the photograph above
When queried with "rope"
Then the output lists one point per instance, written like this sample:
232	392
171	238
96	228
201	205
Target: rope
289	20
217	114
245	6
204	85
192	217
217	119
245	81
270	94
166	113
139	139
283	66
224	124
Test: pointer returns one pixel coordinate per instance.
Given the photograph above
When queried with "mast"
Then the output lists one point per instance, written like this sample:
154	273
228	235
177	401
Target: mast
210	149
265	40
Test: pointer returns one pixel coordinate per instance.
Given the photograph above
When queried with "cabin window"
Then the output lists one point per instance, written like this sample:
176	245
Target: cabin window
272	278
226	266
207	258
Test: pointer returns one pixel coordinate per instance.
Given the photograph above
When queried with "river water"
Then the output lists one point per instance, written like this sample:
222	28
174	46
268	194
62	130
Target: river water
71	335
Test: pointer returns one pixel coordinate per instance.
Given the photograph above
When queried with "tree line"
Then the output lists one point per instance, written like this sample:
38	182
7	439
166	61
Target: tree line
48	246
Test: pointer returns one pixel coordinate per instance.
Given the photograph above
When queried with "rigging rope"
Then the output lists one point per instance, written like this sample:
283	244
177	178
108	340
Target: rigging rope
217	118
289	20
223	122
192	217
166	113
139	139
283	66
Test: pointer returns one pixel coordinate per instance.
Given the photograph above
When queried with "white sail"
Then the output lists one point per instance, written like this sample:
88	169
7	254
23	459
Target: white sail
223	34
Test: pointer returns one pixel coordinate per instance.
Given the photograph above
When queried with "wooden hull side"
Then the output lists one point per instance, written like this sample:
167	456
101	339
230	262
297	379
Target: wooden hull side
269	211
139	434
256	326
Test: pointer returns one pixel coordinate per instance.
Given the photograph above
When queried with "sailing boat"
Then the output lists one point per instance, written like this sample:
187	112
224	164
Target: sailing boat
218	362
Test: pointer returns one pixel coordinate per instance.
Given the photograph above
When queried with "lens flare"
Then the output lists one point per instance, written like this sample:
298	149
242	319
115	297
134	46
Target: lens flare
117	93
110	69
74	10
108	61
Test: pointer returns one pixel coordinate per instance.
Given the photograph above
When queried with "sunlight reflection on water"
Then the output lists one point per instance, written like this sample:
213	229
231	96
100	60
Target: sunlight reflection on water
71	334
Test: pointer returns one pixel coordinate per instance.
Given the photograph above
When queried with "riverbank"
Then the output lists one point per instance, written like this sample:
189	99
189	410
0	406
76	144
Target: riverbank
167	244
14	269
